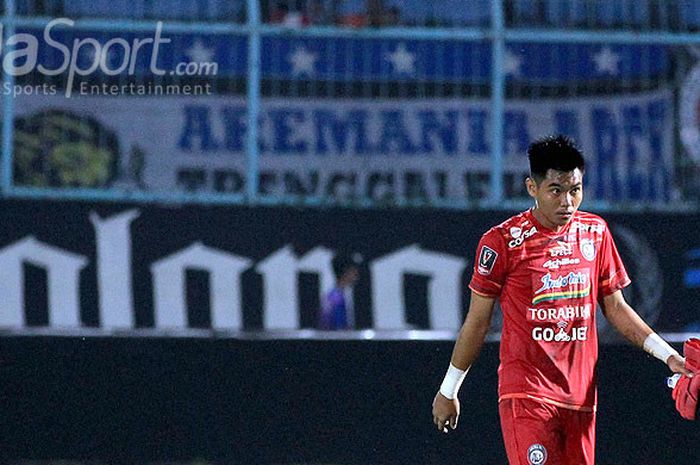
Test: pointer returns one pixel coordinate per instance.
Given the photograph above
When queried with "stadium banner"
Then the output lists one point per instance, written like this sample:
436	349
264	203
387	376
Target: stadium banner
80	266
383	150
294	56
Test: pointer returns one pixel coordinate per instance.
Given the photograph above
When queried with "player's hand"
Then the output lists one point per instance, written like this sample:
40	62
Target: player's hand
445	412
677	365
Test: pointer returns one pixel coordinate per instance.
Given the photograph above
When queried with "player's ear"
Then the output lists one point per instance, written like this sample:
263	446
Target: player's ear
531	186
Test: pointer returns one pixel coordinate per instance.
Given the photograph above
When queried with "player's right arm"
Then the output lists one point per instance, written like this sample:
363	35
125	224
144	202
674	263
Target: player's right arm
471	338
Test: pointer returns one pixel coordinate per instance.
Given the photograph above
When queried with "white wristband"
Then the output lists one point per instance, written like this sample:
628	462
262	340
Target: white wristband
452	382
659	348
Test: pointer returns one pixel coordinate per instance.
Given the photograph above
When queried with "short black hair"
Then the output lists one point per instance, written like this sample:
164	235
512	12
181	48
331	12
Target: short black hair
558	153
343	262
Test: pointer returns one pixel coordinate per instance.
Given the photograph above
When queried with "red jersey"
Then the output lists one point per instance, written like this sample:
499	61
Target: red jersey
548	284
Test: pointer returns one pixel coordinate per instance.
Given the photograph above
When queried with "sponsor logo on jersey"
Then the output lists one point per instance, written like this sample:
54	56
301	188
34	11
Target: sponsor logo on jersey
596	228
563	313
556	263
536	454
487	258
568	286
587	248
562	249
565	317
515	232
560	333
521	237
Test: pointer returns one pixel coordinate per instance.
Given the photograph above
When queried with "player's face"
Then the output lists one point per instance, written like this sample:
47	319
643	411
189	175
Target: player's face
557	197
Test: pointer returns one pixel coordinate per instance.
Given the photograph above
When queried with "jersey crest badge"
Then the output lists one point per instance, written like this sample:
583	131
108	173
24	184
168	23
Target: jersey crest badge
587	248
536	454
487	258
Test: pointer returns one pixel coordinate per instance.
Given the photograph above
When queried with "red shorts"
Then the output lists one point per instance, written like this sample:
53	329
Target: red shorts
537	433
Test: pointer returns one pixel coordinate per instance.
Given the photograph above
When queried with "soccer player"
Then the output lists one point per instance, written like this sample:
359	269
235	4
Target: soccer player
548	266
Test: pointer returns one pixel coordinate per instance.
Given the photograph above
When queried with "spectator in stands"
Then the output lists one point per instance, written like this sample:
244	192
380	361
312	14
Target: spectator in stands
284	15
300	14
315	13
352	13
279	13
47	8
392	17
337	312
375	13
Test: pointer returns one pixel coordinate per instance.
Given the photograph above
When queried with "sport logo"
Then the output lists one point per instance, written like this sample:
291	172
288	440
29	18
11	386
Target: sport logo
556	263
487	258
562	249
88	55
536	454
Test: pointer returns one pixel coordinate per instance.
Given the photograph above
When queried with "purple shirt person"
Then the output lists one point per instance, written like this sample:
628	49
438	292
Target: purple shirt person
336	308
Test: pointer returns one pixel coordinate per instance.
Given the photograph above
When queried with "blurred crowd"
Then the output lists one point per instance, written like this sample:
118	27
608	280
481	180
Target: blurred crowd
298	13
678	15
626	14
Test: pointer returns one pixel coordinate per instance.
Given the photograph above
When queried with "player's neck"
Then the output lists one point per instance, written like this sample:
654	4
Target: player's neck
544	222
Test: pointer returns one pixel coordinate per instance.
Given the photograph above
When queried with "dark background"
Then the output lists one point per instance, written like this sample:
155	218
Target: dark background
260	400
122	400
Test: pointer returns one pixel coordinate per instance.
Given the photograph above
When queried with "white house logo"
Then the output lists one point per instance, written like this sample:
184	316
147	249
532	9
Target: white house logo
690	110
536	454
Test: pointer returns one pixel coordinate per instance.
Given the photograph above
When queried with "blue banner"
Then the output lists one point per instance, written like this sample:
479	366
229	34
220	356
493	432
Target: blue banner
348	59
380	150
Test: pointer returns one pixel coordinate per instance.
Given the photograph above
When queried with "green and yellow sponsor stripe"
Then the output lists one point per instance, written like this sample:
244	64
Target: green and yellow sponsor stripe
562	295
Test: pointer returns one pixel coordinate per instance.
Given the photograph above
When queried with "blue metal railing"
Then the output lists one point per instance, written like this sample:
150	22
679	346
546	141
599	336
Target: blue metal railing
8	109
497	34
254	101
497	102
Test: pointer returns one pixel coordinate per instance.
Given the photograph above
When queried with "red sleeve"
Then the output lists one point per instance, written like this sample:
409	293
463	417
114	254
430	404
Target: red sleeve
489	273
612	275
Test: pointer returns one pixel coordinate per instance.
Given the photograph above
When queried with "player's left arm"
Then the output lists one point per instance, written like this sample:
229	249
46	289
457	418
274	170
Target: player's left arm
628	323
